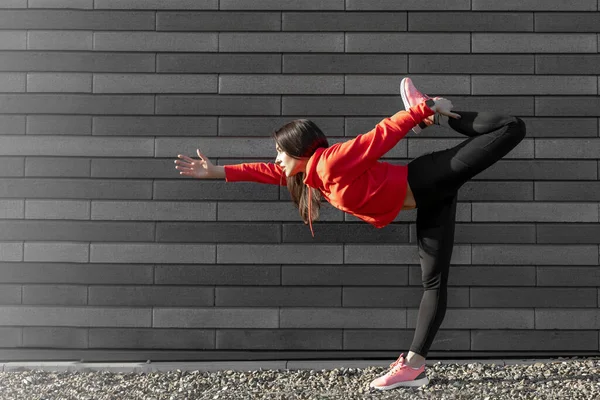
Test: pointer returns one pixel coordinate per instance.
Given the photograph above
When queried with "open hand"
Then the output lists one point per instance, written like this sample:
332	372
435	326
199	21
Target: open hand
202	168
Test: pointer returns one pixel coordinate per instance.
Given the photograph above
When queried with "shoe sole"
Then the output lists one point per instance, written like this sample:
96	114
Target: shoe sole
417	128
414	383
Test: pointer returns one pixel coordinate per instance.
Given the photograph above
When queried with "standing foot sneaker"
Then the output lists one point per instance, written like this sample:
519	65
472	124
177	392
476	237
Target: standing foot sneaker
411	97
401	374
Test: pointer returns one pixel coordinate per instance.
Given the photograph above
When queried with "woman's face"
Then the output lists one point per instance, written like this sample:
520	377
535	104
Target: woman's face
291	166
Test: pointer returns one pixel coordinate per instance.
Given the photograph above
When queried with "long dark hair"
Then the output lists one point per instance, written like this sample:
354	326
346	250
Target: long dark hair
300	138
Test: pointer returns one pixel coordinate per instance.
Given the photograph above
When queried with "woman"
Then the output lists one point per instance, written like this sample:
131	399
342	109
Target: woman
350	177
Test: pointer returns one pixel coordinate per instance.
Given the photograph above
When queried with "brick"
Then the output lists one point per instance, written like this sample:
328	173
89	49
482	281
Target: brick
114	338
271	211
268	254
10	337
539	170
393	254
218	63
153	126
76	20
13	3
346	318
448	84
281	84
567	22
537	340
567	319
346	233
519	106
13	40
567	64
584	106
535	212
218	232
408	43
444	5
74	316
490	233
153	210
535	5
561	127
381	106
280	339
252	275
56	252
471	63
10	209
463	213
157	4
12	124
59	125
346	275
253	126
533	43
151	296
142	168
569	276
77	146
345	22
85	273
82	231
67	295
398	297
81	4
281	5
364	339
55	337
561	191
155	41
11	251
489	318
152	252
216	105
532	297
12	82
281	42
481	275
73	61
567	148
278	297
526	84
470	22
10	294
155	83
76	104
534	254
568	233
218	21
57	209
418	147
345	63
11	166
59	40
216	318
496	191
70	83
213	190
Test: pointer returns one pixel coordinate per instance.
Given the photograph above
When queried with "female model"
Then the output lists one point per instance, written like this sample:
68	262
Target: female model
350	177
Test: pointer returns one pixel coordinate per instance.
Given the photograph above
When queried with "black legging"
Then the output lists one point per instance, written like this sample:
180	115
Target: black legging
435	178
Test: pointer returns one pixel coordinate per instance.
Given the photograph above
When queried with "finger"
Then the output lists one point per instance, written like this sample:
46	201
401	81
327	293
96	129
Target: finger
200	155
454	115
185	157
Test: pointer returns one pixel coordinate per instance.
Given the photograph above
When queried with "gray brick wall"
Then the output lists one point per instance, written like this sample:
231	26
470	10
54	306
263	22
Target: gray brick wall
104	246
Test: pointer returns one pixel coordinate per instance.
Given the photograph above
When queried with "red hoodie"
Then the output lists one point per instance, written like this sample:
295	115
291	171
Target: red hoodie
349	175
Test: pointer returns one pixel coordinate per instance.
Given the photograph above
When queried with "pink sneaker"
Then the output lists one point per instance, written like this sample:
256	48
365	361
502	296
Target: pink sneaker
410	97
401	374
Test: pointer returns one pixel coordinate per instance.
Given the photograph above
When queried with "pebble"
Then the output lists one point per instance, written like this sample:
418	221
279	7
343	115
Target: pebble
575	378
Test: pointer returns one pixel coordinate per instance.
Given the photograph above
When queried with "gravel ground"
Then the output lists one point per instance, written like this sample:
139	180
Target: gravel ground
563	378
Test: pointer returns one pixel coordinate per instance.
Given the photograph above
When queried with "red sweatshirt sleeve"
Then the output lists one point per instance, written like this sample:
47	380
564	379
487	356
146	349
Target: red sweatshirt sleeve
255	172
355	156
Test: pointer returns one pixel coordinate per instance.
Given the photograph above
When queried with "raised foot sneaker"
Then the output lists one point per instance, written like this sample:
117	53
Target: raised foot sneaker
401	374
411	97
